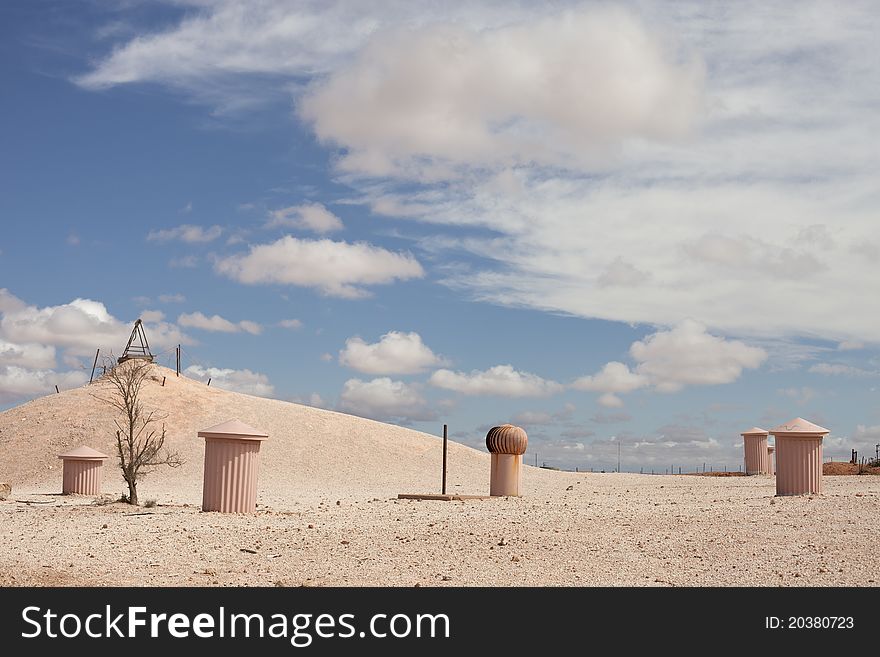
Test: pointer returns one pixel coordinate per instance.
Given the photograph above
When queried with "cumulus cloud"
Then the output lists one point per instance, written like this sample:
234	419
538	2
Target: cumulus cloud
310	216
688	355
338	269
31	338
186	233
613	377
522	93
671	359
244	381
290	324
19	382
78	327
216	323
29	355
395	353
172	298
610	400
501	380
384	399
150	316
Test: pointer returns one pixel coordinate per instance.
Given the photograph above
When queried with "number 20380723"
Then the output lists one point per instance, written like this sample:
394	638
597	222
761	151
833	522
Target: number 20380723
809	623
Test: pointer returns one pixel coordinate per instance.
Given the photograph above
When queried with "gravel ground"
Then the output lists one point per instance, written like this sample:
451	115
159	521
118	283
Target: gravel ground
568	529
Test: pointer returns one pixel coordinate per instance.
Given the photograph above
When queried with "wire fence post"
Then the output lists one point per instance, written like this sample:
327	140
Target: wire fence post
445	441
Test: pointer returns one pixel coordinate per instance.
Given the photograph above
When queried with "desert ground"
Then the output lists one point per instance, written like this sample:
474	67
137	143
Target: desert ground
328	515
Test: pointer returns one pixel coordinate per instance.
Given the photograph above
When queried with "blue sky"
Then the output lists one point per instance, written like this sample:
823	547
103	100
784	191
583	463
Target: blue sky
652	224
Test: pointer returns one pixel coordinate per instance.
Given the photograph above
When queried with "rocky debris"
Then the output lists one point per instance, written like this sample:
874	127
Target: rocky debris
5	491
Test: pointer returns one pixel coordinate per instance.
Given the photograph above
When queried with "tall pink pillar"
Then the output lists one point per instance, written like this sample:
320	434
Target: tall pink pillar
771	458
83	470
507	444
799	457
755	451
232	465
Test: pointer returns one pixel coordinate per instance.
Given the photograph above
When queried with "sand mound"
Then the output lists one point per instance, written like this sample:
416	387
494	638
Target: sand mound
846	468
310	452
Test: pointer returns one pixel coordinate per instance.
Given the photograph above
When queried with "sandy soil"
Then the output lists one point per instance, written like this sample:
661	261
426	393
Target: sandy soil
327	513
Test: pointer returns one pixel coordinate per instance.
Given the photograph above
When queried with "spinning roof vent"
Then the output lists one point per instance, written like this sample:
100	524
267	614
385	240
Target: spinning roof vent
137	346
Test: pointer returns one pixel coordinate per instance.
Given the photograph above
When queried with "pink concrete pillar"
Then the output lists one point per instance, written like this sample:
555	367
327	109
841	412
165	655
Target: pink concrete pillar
771	459
83	470
507	444
232	464
755	451
799	457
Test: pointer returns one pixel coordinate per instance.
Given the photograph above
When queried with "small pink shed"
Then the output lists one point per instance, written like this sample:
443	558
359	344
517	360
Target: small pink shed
507	444
755	451
232	465
83	471
771	458
799	457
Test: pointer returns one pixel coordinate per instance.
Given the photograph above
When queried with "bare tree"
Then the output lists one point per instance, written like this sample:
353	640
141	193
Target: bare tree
140	444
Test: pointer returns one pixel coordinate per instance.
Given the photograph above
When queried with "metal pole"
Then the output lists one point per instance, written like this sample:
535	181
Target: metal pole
445	441
618	456
56	390
178	360
94	365
209	380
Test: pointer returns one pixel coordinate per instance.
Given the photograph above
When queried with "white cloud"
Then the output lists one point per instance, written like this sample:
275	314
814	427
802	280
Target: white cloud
610	400
244	381
18	382
150	316
838	369
668	360
395	353
172	298
30	337
186	233
688	355
614	377
314	399
523	93
290	324
501	380
216	323
384	399
29	355
79	327
310	216
335	268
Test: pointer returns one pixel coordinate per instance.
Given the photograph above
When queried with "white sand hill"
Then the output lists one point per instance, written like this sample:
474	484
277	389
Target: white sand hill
310	452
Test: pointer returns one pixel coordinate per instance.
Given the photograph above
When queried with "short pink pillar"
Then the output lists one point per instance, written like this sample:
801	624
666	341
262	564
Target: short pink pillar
755	450
507	444
799	457
83	470
232	465
771	458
